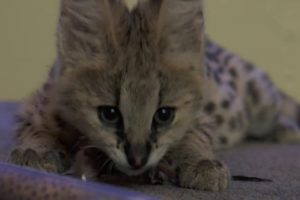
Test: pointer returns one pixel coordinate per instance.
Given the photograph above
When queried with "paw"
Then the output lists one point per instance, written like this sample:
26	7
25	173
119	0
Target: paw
49	161
209	175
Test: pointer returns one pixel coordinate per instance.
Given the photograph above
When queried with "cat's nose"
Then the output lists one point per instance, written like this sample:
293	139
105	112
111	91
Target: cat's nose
137	154
136	162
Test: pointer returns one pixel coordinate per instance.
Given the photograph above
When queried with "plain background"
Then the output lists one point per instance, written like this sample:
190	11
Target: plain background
266	32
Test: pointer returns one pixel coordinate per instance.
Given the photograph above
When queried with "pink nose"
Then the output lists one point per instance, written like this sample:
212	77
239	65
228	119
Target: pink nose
136	162
137	154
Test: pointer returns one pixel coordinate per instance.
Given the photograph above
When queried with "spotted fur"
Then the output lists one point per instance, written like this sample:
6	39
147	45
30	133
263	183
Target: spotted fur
245	103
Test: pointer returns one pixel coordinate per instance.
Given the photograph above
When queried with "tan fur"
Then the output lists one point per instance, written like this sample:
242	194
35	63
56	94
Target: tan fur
140	61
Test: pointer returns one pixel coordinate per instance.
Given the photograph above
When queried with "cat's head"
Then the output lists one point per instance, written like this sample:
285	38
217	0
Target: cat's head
131	79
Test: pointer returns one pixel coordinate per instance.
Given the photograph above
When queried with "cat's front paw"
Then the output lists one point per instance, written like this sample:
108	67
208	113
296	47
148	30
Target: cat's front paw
49	161
209	175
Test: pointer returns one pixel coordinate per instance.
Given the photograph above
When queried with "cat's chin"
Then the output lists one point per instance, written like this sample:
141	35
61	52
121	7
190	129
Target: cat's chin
132	172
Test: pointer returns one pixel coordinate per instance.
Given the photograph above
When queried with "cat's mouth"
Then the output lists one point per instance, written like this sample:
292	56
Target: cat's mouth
105	164
132	171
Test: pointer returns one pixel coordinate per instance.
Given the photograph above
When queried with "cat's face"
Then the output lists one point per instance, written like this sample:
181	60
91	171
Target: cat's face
135	91
135	118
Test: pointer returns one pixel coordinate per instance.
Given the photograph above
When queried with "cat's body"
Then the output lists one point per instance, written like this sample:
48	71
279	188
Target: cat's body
138	86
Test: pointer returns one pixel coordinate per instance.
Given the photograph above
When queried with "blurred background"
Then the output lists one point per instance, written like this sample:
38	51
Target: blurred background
267	32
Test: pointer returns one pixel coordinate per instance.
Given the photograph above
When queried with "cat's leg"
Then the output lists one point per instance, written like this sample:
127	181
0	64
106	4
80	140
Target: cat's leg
36	144
197	166
41	152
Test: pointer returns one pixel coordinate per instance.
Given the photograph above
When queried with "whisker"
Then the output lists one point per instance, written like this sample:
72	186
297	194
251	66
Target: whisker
111	167
77	144
90	147
98	158
104	164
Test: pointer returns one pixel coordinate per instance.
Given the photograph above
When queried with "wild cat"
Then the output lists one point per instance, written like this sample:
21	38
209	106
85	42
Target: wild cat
145	86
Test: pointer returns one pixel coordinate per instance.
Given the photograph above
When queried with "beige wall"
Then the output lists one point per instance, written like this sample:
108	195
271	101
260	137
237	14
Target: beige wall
265	31
27	43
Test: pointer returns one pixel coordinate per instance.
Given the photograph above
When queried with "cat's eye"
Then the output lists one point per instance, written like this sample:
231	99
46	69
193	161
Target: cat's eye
164	116
109	115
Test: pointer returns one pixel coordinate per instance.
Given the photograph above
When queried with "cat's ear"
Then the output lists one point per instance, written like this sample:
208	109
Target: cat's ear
89	29
180	30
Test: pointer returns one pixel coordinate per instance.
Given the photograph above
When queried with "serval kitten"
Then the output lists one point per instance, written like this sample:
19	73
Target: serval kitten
145	88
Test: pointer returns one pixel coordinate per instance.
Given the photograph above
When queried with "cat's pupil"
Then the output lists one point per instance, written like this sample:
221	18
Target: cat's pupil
109	114
164	116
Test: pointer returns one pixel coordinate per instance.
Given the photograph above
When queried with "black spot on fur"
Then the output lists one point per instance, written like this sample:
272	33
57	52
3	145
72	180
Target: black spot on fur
208	70
253	92
46	86
232	85
217	78
41	113
214	55
59	121
249	67
227	59
221	70
233	73
44	100
223	140
210	107
225	104
219	119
